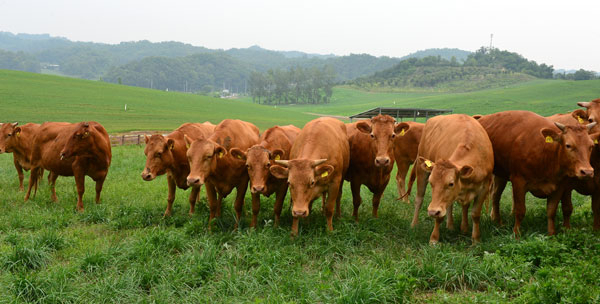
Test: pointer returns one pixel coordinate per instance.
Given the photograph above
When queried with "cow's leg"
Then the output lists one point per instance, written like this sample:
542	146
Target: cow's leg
279	197
596	210
211	194
552	205
239	200
20	173
99	184
376	200
80	182
33	179
476	216
356	199
450	217
464	223
171	195
435	234
193	198
421	186
255	208
338	200
331	201
567	208
497	189
53	176
401	180
518	184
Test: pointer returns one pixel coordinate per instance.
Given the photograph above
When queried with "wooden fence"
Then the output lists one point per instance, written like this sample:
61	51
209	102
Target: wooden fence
120	140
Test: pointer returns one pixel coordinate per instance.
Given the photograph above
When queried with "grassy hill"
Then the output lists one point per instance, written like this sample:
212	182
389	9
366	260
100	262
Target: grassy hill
28	97
544	97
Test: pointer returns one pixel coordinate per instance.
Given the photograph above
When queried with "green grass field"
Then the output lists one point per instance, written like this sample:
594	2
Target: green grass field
123	250
28	97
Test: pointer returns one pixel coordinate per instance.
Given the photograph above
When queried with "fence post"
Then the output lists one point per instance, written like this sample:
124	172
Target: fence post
139	139
122	140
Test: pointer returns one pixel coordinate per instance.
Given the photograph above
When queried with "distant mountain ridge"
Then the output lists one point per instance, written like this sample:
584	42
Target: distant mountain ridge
132	62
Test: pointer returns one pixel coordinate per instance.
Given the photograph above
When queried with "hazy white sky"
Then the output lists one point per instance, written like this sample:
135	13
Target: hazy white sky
565	34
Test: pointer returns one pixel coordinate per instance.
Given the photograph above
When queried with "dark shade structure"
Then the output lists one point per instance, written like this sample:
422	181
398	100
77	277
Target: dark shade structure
400	113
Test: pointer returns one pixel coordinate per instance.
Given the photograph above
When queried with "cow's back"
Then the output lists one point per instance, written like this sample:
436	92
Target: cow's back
279	138
48	141
323	138
194	130
459	138
518	144
234	133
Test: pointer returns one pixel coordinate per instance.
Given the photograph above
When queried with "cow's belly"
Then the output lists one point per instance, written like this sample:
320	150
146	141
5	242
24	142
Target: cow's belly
541	190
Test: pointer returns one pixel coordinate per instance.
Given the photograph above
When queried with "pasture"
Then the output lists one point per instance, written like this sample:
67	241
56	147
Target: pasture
123	250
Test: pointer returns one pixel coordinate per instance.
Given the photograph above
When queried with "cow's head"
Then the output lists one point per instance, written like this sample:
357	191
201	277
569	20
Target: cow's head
592	109
382	130
159	156
307	178
446	180
9	133
203	155
258	162
80	141
575	147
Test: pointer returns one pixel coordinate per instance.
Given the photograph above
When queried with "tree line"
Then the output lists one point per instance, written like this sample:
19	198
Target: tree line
292	86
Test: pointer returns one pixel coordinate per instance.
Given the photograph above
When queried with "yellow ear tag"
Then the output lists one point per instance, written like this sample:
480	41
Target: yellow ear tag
595	141
238	156
549	139
187	146
277	157
324	174
18	134
402	132
428	163
220	154
580	120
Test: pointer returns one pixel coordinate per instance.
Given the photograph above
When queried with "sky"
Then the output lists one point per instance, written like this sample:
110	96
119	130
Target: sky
565	34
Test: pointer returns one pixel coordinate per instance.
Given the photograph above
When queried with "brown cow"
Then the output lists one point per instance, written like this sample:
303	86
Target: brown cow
166	154
77	150
590	186
456	156
536	155
318	161
275	144
592	109
211	164
371	156
18	141
405	153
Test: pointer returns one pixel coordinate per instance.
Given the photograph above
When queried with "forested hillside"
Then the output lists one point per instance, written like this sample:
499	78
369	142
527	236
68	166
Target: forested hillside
483	69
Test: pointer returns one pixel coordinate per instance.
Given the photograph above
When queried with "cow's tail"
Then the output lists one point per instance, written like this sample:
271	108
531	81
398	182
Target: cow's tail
411	180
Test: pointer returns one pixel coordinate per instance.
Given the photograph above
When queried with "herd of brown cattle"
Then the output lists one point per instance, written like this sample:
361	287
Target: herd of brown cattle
466	159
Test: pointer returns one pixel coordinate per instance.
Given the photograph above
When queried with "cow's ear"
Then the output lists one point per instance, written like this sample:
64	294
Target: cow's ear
237	153
220	151
465	172
425	164
147	138
595	137
364	127
401	128
277	154
170	144
279	171
188	141
580	115
17	131
14	124
550	135
585	104
323	173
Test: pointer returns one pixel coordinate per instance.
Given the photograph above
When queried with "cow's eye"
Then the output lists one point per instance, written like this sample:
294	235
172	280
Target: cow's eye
393	135
372	135
590	120
451	184
8	135
268	165
568	146
158	155
312	183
